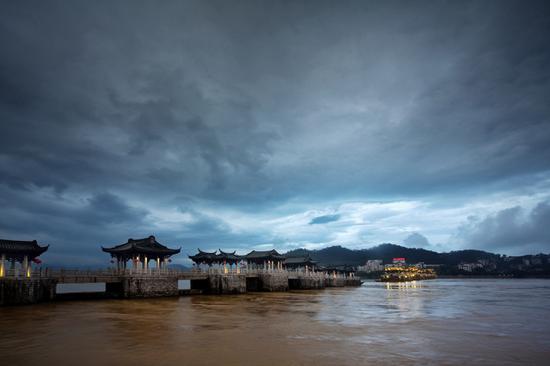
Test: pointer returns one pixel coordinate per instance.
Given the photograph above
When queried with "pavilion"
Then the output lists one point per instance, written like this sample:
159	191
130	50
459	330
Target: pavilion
300	263
268	259
208	258
342	269
229	257
221	259
23	252
140	252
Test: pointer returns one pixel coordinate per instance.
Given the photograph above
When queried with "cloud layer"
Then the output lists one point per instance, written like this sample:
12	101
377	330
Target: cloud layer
238	125
512	229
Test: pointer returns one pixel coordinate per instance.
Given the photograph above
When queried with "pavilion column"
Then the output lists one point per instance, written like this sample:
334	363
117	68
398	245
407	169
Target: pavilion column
146	264
158	263
2	265
25	265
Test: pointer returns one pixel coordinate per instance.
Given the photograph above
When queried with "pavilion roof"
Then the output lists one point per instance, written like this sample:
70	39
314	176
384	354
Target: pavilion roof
147	245
214	257
300	260
21	248
203	256
229	255
343	268
260	254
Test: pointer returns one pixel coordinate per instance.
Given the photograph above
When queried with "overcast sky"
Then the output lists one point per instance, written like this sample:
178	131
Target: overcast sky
285	124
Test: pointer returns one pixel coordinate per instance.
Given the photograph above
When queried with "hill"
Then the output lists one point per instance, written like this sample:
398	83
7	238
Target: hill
338	255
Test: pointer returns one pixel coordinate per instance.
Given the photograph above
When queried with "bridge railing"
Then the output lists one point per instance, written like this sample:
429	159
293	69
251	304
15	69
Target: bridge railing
38	273
162	272
297	273
20	273
112	272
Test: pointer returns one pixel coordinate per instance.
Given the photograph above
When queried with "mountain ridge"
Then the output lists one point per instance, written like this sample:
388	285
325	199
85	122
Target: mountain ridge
339	255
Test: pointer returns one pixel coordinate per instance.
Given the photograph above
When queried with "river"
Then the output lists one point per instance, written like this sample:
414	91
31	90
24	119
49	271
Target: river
437	322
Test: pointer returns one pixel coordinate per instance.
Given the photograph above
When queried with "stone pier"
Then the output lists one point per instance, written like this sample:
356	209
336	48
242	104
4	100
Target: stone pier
26	291
307	283
353	282
227	284
335	282
272	282
135	287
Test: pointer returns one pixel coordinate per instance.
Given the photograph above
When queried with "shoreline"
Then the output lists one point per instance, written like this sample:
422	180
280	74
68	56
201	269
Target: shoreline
477	277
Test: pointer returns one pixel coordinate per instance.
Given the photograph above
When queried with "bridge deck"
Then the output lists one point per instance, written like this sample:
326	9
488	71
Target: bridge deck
112	276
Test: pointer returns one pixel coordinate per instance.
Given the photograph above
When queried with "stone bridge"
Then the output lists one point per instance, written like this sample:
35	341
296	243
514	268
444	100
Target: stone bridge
112	276
42	286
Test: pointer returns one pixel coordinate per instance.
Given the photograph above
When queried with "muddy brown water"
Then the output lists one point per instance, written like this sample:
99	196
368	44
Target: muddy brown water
438	322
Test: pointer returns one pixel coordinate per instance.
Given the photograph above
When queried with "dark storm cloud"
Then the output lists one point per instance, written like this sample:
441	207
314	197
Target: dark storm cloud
512	230
113	110
324	219
416	240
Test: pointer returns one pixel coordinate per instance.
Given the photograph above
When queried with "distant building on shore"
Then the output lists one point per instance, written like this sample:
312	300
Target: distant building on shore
372	265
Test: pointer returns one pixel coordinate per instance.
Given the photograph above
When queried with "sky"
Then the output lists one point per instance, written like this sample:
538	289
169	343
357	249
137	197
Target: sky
275	124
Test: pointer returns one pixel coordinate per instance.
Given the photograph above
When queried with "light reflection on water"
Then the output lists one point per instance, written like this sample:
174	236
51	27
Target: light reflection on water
428	322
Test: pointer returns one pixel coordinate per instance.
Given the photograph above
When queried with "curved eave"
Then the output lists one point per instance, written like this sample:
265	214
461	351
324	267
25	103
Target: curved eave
142	250
41	250
34	249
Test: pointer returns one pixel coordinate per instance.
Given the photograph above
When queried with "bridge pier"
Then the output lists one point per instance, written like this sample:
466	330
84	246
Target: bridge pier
227	284
135	287
14	291
307	283
275	281
335	282
353	282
